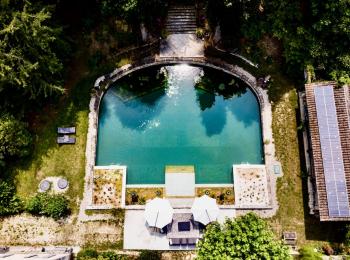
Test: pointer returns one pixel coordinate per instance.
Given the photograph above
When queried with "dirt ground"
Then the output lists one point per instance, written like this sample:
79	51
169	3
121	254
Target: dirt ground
25	229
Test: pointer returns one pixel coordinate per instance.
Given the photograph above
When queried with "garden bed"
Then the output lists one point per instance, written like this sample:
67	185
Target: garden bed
139	196
223	195
108	186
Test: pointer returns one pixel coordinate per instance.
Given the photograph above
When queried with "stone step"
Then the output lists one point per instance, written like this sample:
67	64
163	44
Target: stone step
181	13
179	28
180	17
181	32
174	7
181	23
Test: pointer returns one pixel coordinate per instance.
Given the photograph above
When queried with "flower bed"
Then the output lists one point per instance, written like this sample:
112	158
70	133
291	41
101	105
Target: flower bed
139	196
108	187
223	195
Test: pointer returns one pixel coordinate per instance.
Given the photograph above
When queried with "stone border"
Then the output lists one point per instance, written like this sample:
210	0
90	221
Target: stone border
103	83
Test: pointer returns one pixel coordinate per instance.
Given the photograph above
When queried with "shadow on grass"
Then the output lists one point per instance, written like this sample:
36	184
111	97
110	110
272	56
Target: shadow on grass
49	158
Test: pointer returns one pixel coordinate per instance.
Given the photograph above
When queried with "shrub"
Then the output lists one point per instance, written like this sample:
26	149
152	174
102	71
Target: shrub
86	254
327	249
200	32
15	139
92	254
309	253
10	203
55	206
150	255
347	236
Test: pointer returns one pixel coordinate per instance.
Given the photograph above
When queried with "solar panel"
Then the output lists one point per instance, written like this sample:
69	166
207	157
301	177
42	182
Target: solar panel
333	167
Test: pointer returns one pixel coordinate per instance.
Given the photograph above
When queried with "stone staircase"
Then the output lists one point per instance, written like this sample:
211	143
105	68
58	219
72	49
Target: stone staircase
181	19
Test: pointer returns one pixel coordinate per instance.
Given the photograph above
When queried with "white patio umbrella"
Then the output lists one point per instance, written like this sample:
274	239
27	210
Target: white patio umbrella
158	212
205	210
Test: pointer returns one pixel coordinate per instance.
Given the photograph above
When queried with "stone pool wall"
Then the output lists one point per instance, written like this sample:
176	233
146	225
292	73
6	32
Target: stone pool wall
102	84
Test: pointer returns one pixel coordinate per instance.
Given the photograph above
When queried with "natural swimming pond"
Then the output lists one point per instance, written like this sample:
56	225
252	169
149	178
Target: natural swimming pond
179	115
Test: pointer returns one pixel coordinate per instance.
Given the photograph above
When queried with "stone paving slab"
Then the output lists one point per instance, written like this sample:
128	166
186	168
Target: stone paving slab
182	45
138	236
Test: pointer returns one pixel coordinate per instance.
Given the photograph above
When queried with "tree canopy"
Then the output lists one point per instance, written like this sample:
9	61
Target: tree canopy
312	32
29	66
15	139
247	237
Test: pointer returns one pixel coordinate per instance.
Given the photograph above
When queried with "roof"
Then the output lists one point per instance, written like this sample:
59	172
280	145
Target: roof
329	124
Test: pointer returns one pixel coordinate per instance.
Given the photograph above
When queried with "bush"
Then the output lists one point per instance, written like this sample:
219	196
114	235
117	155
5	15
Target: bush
327	249
86	254
55	206
92	254
150	255
347	236
15	139
10	203
309	253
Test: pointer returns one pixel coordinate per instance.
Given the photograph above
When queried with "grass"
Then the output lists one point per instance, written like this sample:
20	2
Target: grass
50	159
291	188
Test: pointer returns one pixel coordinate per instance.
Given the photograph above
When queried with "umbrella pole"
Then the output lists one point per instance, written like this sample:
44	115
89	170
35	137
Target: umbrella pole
155	223
206	211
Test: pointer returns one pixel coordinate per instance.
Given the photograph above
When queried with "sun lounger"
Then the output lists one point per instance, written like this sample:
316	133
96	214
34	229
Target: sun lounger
66	130
192	241
65	140
174	241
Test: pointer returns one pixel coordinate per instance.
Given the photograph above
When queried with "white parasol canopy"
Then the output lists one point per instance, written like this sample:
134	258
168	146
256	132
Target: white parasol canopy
158	212
205	210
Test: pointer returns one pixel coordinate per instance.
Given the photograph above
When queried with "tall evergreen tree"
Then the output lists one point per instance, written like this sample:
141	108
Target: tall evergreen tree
28	62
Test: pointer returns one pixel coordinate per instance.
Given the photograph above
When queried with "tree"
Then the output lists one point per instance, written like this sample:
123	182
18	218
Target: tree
135	11
28	62
10	202
55	206
247	237
15	139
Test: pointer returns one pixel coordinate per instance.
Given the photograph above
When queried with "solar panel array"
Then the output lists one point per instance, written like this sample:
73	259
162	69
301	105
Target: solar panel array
337	196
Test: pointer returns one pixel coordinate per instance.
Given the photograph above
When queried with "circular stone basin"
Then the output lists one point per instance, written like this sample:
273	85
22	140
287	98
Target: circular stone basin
62	183
44	185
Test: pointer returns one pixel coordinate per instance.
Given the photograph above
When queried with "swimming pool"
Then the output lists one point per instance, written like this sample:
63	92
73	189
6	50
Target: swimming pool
179	115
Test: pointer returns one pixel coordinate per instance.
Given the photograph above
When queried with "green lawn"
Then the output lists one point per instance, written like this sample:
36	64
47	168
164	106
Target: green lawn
50	159
292	191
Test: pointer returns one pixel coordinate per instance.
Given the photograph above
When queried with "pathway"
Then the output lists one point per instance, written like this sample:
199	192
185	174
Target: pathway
182	40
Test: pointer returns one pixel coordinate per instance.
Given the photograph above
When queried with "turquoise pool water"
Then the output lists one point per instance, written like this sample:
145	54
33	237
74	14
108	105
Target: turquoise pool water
179	115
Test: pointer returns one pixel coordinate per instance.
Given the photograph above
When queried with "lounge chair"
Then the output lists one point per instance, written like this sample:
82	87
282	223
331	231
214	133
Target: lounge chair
183	241
65	140
66	130
192	241
174	241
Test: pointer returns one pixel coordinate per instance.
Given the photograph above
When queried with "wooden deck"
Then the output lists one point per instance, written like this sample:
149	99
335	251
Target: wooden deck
179	169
